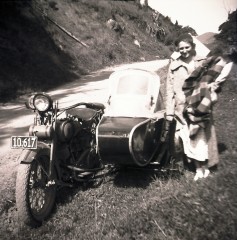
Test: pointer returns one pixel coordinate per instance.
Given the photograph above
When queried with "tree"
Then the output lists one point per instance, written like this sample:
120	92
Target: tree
228	30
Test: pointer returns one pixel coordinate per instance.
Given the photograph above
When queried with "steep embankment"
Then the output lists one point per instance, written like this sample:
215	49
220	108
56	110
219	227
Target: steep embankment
36	54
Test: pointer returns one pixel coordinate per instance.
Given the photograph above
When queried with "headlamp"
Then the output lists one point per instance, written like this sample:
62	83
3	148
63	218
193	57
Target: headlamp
42	102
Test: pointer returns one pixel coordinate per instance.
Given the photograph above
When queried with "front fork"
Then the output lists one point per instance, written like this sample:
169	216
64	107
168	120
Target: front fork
52	163
52	159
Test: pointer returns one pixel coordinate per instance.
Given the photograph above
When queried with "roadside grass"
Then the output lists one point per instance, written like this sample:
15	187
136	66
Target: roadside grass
148	204
135	204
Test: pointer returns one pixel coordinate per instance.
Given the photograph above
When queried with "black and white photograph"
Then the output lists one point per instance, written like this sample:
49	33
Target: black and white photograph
118	119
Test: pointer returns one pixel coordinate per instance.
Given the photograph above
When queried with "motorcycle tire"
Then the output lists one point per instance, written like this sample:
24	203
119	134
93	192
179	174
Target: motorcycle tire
35	197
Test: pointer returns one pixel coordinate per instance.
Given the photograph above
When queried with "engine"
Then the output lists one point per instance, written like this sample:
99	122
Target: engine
75	137
67	129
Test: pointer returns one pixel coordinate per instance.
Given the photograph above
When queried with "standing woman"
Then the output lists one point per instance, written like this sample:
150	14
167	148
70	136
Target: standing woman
197	148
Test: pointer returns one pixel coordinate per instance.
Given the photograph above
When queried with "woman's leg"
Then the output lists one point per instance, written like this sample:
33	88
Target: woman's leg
199	170
202	170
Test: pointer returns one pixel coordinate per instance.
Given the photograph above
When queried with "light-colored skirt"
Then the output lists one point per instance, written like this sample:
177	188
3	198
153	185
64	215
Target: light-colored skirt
195	148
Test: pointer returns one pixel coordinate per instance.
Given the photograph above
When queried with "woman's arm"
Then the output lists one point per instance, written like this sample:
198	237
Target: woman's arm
170	103
223	75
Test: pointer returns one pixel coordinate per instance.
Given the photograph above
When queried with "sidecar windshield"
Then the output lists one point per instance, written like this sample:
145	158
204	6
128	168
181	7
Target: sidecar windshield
131	84
133	93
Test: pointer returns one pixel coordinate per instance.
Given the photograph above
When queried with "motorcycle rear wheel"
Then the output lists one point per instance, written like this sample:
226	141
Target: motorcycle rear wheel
35	195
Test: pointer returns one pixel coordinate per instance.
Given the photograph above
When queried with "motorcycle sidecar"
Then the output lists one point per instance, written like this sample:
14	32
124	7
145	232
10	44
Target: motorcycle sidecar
129	131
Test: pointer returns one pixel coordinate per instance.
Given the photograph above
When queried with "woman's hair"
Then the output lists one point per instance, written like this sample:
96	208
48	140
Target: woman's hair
185	38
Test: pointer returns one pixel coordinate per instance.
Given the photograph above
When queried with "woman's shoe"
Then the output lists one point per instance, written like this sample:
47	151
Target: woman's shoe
206	173
199	174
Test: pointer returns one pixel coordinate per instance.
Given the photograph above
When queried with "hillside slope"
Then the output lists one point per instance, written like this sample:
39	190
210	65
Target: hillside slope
43	43
207	38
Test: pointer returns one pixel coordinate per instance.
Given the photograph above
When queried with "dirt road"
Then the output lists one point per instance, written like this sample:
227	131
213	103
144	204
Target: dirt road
15	118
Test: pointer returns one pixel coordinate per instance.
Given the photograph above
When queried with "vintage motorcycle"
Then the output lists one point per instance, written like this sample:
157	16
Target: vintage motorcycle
60	149
74	143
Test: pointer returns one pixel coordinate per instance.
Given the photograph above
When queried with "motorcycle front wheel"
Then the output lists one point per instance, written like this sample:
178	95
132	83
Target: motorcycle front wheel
35	194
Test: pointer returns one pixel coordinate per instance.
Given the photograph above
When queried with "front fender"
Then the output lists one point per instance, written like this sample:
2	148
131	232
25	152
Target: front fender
28	155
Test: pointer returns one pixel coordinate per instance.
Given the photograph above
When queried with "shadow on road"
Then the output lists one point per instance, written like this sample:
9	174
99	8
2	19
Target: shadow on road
88	88
15	119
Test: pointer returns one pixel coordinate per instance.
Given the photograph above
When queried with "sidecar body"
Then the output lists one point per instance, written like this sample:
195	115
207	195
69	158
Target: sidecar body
129	131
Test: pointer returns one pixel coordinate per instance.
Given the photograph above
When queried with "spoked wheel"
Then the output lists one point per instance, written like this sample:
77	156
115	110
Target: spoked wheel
35	194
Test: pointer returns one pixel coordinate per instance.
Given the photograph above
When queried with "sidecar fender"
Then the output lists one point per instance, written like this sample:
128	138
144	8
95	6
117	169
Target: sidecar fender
28	155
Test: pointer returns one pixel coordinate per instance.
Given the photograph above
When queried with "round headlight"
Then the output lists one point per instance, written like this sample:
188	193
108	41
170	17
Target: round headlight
42	102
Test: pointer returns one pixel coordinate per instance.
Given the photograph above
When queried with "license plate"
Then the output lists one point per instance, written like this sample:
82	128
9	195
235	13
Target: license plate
26	142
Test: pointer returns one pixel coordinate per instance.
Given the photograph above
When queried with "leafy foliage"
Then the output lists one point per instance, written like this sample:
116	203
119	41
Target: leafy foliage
228	30
226	41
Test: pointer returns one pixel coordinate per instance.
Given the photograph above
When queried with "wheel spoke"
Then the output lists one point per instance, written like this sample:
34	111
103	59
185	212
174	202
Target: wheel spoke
38	188
35	197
